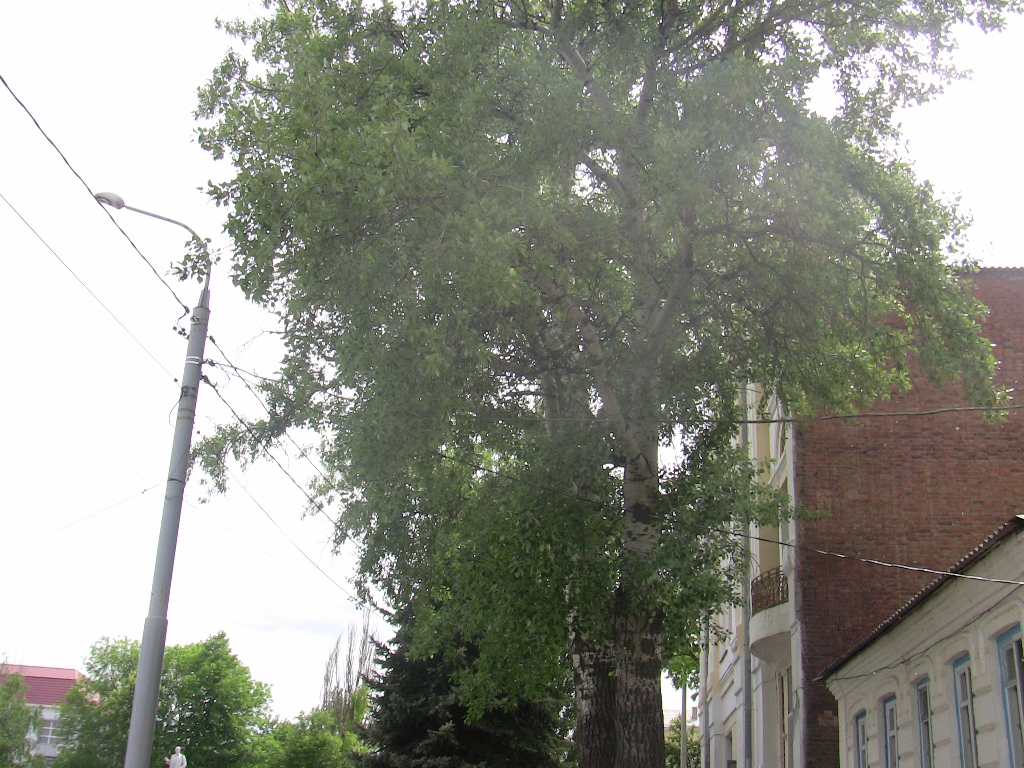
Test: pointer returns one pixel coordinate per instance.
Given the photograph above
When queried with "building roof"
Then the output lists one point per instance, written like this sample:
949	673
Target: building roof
1015	523
43	685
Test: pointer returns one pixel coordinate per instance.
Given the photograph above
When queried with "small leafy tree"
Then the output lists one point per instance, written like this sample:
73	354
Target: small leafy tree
17	720
312	741
672	742
209	705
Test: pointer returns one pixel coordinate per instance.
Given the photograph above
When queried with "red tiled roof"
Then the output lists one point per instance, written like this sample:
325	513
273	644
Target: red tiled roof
43	685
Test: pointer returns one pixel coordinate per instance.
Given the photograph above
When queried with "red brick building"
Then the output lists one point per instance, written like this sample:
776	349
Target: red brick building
920	490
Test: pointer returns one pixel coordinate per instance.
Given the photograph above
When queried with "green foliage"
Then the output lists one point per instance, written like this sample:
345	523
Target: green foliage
520	248
313	741
418	722
17	718
672	734
209	705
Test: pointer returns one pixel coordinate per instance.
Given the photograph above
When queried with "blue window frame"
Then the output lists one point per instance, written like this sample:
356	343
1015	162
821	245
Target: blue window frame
924	724
964	697
889	733
860	731
1012	676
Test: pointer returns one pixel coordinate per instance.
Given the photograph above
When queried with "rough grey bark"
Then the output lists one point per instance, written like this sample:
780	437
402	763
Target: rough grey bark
639	721
595	684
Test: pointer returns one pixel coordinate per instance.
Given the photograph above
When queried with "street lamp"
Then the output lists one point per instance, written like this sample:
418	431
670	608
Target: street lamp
154	636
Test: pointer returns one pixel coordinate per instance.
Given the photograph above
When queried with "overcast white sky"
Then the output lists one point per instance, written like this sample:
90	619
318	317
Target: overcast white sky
88	413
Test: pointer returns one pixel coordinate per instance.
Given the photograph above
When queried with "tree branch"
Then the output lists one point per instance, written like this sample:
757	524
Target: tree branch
568	53
592	346
670	306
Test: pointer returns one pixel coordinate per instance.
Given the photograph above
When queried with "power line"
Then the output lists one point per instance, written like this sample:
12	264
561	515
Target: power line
87	288
923	651
29	381
305	493
701	421
261	401
872	561
877	415
235	369
93	194
726	532
781	420
317	506
553	491
89	516
300	550
233	532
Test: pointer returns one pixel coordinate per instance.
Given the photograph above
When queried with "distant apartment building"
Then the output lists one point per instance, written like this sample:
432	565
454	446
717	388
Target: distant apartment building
919	485
45	689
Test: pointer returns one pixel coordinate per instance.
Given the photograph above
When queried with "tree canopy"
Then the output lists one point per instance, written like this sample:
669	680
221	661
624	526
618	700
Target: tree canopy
209	705
312	741
17	720
519	248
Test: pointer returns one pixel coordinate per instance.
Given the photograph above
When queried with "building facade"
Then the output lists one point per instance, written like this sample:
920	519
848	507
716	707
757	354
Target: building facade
939	684
918	484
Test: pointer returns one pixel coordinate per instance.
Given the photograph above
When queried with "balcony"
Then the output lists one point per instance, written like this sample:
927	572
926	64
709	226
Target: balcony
771	619
767	590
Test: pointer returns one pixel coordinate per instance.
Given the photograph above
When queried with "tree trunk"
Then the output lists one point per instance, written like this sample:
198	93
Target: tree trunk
595	684
639	721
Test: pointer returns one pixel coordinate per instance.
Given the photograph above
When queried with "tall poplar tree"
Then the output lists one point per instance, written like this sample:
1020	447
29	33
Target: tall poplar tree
520	247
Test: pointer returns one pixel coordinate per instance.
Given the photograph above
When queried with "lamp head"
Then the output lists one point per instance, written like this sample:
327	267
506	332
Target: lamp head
111	199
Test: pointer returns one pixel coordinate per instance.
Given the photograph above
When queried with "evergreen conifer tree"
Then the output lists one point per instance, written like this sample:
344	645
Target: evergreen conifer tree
418	722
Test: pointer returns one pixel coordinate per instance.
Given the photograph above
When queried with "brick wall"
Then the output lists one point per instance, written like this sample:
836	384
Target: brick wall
921	490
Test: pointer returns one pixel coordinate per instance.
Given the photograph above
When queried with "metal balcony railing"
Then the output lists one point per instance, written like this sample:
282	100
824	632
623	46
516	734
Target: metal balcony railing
768	589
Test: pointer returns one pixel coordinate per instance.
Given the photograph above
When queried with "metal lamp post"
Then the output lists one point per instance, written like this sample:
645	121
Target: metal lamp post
151	658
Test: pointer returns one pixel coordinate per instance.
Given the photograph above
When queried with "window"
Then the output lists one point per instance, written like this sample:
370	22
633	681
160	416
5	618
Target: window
860	732
889	728
48	732
965	713
1010	663
924	724
786	715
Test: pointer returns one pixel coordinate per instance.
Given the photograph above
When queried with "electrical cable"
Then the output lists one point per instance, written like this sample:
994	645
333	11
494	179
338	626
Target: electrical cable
233	532
876	415
305	493
93	195
868	560
89	516
236	369
496	473
781	420
553	491
301	551
87	288
927	648
261	401
88	433
316	505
